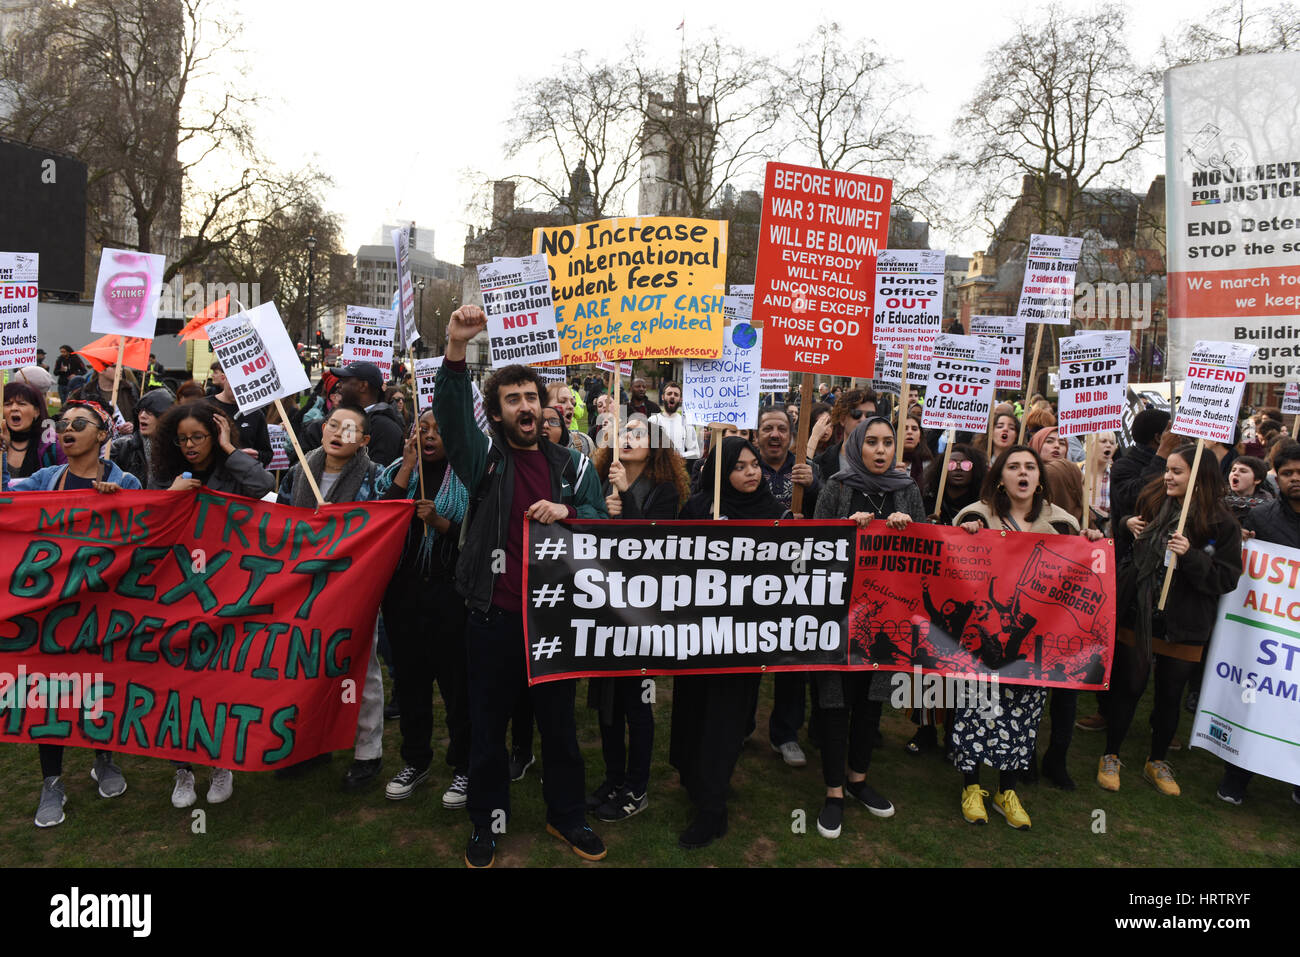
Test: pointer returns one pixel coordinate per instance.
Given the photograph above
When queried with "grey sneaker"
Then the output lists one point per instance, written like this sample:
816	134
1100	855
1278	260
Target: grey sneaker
792	753
50	811
108	776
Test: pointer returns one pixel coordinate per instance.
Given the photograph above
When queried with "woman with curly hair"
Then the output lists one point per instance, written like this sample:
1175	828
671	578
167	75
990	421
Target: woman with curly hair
194	439
967	467
648	482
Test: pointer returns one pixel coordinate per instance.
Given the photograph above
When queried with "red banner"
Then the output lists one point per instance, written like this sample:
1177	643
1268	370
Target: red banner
195	626
814	285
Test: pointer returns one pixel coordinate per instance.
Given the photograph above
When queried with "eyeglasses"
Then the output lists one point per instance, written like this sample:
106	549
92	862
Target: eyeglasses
856	413
965	466
76	425
198	438
551	422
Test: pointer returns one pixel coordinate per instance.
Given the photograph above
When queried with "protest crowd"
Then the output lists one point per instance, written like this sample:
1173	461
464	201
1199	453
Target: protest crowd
453	613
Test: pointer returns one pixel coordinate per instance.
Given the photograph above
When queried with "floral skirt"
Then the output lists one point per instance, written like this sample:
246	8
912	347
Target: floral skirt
1005	742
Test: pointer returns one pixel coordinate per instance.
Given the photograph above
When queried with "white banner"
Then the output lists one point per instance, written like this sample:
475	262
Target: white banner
19	293
743	292
1047	295
127	293
959	391
1010	331
1249	709
551	374
725	390
257	357
773	380
1216	378
1093	383
520	313
368	337
405	295
909	304
1232	190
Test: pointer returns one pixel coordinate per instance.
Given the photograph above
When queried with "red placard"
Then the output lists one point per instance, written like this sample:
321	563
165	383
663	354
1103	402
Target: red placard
814	286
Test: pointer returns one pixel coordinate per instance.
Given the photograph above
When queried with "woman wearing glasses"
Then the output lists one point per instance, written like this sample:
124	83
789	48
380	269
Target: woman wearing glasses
849	410
965	469
83	428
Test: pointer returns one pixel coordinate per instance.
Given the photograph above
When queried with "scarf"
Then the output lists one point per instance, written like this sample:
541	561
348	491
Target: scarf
1149	563
853	471
32	454
736	505
451	501
345	487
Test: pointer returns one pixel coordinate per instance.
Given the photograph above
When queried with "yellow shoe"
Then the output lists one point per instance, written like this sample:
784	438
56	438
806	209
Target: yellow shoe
1161	775
972	804
1008	805
1108	772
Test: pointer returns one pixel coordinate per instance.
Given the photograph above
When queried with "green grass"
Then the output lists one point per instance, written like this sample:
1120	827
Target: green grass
311	822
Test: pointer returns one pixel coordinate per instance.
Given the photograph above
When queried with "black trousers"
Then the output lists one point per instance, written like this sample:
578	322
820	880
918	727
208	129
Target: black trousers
425	621
788	703
1064	707
849	732
495	644
628	764
51	756
1129	681
710	714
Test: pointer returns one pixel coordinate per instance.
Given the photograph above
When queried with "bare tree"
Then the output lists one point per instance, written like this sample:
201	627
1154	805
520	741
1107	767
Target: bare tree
1061	109
583	121
708	126
1229	30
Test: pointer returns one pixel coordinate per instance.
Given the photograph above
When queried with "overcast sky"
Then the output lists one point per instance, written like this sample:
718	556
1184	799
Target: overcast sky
397	99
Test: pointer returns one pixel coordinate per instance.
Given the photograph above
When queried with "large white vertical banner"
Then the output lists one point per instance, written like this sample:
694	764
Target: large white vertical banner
407	329
1232	194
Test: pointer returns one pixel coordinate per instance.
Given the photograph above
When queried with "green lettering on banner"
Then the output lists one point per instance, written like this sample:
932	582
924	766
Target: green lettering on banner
88	634
45	521
203	645
333	667
84	571
303	653
303	532
264	544
196	582
221	660
170	723
140	634
251	628
52	619
280	725
13	706
204	499
246	714
170	655
201	733
320	571
28	634
31	579
362	517
119	625
264	670
237	513
100	730
258	568
52	726
142	565
139	702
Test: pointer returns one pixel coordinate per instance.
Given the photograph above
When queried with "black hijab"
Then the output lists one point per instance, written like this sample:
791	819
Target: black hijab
564	429
735	505
853	471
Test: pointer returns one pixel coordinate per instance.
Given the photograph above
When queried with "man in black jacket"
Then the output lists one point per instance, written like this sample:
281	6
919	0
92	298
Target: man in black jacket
363	385
1152	443
511	477
254	438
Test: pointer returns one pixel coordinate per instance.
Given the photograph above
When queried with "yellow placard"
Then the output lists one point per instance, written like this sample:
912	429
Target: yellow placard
637	288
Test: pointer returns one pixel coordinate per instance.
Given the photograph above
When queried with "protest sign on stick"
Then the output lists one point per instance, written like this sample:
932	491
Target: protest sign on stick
19	293
959	392
1047	293
368	336
1094	382
724	391
407	327
520	314
1291	406
909	304
901	412
127	293
1011	332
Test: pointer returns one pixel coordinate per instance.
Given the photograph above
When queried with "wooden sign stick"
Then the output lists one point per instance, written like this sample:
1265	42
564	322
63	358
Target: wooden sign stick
902	412
1182	520
943	471
718	435
1033	379
801	438
302	459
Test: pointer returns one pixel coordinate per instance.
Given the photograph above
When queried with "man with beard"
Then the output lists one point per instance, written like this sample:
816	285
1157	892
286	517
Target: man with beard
363	385
672	423
512	476
638	402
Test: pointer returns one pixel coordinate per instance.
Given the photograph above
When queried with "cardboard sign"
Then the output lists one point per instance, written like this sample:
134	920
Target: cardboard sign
909	304
127	293
520	314
1094	383
405	294
551	374
257	357
19	293
368	336
1216	378
637	288
743	292
814	285
959	391
425	372
725	390
887	377
773	380
279	447
1047	295
1233	191
624	368
1291	399
1010	331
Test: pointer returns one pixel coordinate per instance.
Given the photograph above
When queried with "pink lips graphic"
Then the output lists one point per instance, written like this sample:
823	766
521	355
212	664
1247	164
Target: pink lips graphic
126	294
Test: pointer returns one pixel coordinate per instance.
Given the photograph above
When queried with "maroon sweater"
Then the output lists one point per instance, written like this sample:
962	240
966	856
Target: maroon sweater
532	484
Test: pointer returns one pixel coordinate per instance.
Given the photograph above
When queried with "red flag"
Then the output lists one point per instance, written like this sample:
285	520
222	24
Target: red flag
194	328
103	352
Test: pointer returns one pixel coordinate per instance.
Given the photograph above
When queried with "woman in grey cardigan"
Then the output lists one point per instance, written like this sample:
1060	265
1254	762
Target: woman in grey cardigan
867	487
194	449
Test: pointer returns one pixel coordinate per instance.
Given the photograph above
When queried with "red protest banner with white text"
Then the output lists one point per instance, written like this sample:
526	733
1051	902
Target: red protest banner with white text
192	626
1094	383
814	283
1216	378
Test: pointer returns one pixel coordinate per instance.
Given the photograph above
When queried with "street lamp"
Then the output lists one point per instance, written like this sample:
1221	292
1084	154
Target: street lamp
419	322
311	276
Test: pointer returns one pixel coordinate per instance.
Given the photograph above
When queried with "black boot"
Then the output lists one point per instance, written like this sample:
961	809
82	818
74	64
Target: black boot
707	827
1055	771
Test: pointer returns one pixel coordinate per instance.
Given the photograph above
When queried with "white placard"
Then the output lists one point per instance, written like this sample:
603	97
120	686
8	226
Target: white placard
725	390
127	293
888	374
1093	383
1216	378
737	308
743	292
425	372
257	357
773	380
19	294
908	307
405	294
279	447
959	390
1010	331
1047	295
624	368
520	313
1291	399
368	337
552	374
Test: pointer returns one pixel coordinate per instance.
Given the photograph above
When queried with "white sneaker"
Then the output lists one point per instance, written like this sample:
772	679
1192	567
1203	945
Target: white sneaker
222	786
183	794
792	753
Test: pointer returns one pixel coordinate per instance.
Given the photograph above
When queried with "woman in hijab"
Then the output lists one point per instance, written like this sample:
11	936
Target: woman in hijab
32	445
553	425
134	452
711	712
1048	444
849	702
